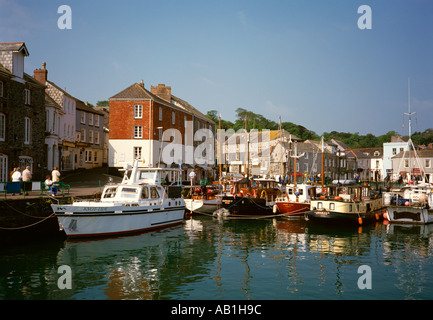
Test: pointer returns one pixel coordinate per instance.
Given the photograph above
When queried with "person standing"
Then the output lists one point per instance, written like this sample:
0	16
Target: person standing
55	175
192	176
16	176
27	177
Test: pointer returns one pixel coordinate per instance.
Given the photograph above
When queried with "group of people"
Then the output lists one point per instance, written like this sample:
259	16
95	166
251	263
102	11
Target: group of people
25	179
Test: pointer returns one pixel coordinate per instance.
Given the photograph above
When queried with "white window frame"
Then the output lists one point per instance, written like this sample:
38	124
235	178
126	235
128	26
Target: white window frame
27	96
96	137
90	136
138	111
91	119
83	117
138	132
137	153
96	120
160	113
83	135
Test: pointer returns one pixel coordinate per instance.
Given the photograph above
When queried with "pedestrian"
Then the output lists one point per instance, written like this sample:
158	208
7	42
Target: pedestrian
27	177
16	177
56	175
192	176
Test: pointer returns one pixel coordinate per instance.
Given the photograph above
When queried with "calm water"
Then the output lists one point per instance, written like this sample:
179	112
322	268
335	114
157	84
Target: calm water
207	258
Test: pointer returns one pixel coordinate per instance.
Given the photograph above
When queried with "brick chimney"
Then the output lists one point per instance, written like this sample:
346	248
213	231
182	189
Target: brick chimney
162	91
41	74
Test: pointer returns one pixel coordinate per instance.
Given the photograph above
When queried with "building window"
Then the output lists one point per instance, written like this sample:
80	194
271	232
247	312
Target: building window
96	137
184	121
427	163
173	117
96	156
137	153
96	120
406	163
88	156
83	117
27	130
394	151
91	119
3	167
1	88
138	132
27	95
138	111
2	127
90	136
160	134
160	114
83	135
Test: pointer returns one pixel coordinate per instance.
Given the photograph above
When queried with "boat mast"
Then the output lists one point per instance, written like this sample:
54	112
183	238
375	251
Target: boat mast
323	178
219	155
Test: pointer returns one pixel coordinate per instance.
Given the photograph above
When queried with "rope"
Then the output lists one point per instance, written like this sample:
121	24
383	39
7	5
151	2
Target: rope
30	225
23	213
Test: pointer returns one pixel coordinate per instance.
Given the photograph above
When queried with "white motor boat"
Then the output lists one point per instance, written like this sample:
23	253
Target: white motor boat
141	202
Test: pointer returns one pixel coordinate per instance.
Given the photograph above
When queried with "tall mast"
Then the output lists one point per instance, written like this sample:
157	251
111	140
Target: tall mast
220	146
323	178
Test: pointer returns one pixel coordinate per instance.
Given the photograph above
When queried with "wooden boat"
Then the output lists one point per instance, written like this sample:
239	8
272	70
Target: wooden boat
139	203
250	197
295	201
348	204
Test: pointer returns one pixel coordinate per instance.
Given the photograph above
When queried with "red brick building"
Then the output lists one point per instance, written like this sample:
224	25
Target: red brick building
158	128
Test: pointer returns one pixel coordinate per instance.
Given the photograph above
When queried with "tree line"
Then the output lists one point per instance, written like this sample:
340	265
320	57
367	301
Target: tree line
352	140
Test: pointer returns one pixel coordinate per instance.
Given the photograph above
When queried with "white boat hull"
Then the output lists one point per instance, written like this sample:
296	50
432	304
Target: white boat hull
87	221
202	205
409	214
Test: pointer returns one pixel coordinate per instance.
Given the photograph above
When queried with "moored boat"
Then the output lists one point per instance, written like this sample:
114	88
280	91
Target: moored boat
295	201
203	200
250	197
412	205
346	204
139	203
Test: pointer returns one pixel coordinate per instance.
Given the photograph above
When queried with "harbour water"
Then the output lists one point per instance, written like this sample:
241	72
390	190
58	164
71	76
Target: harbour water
207	258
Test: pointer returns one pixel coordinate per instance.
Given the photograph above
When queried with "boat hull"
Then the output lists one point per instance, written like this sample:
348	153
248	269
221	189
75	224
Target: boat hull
339	217
79	221
202	205
245	206
409	214
292	209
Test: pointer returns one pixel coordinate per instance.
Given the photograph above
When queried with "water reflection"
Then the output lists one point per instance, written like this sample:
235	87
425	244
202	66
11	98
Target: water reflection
208	258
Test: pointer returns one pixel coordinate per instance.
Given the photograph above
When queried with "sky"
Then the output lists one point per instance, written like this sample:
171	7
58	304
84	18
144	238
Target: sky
306	61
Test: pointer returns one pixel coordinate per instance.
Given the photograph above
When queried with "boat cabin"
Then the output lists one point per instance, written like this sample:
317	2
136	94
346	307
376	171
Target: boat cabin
132	193
300	193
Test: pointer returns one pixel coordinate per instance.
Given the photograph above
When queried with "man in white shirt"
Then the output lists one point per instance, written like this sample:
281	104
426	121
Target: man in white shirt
192	176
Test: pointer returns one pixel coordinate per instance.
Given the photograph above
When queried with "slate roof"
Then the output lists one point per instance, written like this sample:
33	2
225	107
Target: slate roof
137	92
14	46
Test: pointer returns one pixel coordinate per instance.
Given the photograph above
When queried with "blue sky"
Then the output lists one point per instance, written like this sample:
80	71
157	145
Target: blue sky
304	60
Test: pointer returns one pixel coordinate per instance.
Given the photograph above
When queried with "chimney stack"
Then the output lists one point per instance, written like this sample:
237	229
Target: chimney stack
162	91
142	84
41	74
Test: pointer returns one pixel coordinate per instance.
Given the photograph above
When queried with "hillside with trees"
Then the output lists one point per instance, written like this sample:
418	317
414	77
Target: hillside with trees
352	140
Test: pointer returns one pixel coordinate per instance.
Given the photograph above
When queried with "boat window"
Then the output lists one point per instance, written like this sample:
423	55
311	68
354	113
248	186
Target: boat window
129	192
350	208
290	191
110	192
332	206
153	193
145	193
319	205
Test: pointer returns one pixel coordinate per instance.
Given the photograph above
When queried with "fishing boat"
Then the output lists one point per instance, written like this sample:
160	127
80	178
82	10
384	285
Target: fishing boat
203	200
357	204
295	200
250	197
146	199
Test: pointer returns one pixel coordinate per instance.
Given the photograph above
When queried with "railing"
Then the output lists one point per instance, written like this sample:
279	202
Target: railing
24	187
